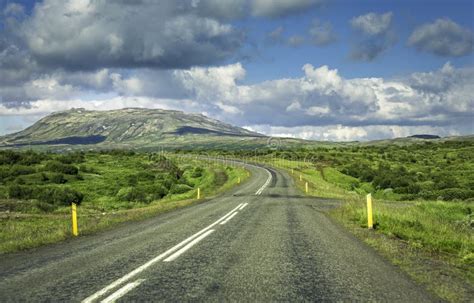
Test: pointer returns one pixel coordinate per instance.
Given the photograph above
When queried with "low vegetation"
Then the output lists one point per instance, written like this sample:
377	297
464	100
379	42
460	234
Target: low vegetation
36	190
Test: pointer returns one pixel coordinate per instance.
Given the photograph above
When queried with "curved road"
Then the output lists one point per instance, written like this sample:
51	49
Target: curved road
262	241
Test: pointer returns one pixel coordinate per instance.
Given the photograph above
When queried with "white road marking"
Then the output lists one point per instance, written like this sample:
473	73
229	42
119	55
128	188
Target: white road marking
261	189
228	218
243	206
141	268
122	291
189	245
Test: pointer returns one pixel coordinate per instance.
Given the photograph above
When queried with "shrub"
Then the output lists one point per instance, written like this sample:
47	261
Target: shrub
58	167
16	191
180	188
456	194
59	195
198	171
57	178
131	194
18	170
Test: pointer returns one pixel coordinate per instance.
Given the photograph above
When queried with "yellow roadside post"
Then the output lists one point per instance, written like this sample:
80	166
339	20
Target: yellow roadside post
301	177
292	171
370	223
199	193
306	187
238	181
74	219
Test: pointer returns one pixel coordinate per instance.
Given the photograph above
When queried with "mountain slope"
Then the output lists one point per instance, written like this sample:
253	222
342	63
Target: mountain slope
136	126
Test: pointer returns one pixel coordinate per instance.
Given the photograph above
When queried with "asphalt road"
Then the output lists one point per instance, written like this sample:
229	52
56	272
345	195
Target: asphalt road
260	242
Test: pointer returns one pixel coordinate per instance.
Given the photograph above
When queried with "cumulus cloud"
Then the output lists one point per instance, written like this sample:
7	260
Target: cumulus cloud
276	36
340	132
87	34
374	35
372	23
321	33
443	37
296	40
233	9
430	101
278	8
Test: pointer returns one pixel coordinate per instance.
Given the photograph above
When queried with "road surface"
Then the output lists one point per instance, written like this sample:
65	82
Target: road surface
262	241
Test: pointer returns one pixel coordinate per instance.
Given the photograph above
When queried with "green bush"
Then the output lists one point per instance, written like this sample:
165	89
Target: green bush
19	170
197	172
57	178
61	196
131	194
58	167
449	194
16	191
180	188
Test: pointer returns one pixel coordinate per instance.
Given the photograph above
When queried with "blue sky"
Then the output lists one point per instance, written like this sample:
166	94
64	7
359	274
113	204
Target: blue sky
278	61
316	69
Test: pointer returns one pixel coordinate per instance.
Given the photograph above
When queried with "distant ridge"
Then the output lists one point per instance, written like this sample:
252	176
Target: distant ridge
425	136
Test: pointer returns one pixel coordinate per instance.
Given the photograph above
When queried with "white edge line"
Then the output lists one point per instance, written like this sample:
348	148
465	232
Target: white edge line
141	268
228	219
122	291
188	246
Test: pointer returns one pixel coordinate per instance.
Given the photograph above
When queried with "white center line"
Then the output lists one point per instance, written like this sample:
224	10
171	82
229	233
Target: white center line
188	246
122	291
228	218
141	268
243	206
261	189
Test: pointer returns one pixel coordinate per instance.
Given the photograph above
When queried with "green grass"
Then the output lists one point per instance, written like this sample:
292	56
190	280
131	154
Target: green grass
430	240
23	225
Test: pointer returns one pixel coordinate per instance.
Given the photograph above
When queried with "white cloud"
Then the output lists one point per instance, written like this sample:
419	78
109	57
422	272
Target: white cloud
93	34
340	132
277	8
321	33
443	37
372	23
436	100
374	35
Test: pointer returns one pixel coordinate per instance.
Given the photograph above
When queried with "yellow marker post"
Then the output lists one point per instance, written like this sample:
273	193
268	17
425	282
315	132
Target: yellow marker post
74	219
370	223
306	187
301	177
199	193
238	180
292	171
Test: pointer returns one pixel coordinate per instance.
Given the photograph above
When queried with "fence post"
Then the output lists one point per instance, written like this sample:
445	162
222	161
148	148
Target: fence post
75	232
370	223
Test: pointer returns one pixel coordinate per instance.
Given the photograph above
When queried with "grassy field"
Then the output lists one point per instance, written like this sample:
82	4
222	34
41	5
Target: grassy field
111	187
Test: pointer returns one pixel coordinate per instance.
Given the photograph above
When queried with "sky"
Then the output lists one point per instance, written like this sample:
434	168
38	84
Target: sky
337	70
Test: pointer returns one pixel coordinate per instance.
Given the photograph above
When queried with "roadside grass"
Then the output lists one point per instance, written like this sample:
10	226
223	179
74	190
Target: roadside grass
25	230
433	241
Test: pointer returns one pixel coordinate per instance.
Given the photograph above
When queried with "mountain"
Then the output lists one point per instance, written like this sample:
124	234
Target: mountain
129	127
